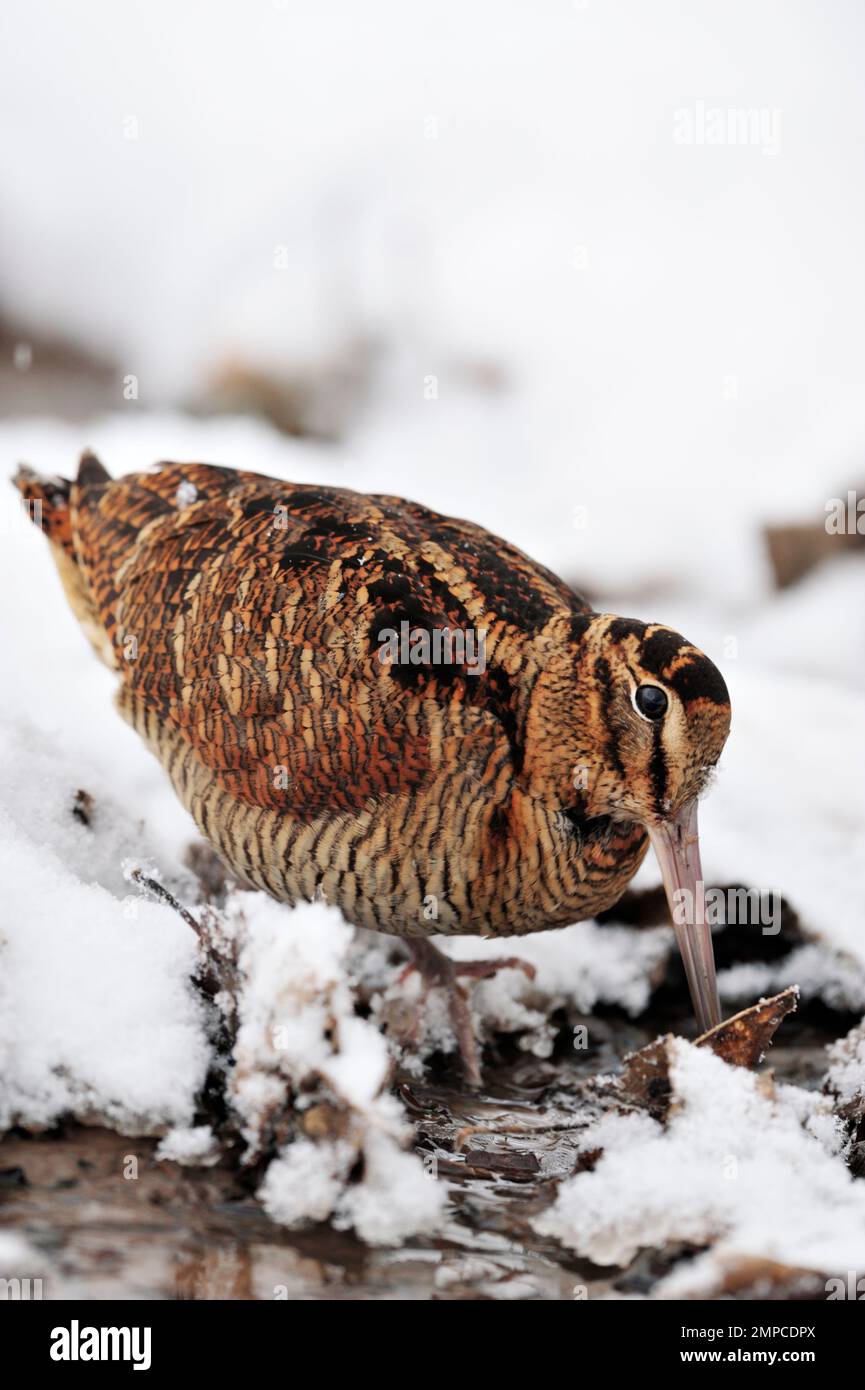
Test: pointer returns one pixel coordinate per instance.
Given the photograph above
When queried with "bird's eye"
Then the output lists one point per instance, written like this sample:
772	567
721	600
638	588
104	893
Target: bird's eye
651	701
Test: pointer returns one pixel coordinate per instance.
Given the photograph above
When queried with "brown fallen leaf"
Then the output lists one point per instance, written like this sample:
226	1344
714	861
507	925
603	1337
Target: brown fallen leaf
645	1081
742	1041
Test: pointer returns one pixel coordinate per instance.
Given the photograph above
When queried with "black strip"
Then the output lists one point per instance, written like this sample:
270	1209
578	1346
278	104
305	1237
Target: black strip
658	769
605	681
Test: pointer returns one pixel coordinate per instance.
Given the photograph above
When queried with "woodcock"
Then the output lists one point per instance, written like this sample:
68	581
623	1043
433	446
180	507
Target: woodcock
360	699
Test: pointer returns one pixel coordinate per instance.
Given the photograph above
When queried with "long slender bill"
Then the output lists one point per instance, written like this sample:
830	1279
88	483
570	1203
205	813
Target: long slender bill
676	842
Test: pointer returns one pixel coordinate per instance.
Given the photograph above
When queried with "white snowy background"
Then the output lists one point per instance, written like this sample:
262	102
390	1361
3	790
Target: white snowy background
622	352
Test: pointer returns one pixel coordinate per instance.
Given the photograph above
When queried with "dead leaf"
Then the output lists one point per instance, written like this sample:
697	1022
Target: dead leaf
744	1039
741	1041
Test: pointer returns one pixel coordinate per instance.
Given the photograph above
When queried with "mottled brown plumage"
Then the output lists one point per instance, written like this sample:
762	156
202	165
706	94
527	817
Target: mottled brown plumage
245	616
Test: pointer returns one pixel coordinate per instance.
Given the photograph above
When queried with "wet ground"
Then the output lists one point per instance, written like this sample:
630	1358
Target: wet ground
109	1221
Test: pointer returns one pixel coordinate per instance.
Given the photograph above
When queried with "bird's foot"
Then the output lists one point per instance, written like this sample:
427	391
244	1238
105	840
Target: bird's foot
440	971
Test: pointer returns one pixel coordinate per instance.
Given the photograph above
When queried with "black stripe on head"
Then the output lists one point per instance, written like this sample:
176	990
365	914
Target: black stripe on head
620	628
579	626
700	679
605	681
659	651
658	769
696	679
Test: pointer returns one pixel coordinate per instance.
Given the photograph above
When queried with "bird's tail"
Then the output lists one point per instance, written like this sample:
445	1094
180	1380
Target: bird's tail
52	505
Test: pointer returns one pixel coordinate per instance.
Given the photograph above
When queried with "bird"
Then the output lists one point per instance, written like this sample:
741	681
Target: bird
362	700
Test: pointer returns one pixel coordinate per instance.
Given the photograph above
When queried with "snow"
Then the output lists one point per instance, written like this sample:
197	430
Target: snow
821	972
846	1075
306	1183
732	1165
195	1145
296	1014
97	1018
396	1197
297	1028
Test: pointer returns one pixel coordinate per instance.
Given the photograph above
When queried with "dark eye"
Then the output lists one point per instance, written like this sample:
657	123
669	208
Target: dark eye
651	701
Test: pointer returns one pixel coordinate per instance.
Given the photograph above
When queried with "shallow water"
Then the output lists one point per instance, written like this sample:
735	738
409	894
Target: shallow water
109	1221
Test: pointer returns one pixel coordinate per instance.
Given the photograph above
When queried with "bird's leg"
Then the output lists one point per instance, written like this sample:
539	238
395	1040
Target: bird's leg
439	971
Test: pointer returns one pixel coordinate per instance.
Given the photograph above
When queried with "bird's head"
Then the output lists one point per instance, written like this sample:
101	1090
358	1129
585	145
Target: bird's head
661	713
642	716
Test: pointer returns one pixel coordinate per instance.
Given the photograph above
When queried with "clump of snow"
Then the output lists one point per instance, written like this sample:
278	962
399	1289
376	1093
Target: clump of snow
301	1048
846	1075
396	1196
733	1164
305	1182
186	494
97	1016
195	1145
296	1011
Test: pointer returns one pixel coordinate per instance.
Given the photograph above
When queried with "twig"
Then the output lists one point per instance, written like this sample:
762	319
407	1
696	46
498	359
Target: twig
150	885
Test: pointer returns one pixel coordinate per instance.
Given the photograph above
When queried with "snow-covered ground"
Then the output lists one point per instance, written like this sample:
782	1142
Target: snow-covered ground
738	1164
99	1019
622	349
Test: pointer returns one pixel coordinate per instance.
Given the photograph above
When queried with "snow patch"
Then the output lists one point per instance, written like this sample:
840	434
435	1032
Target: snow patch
299	1040
733	1165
